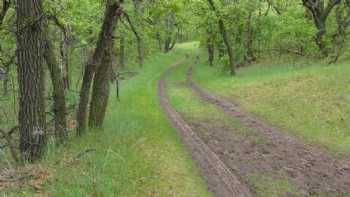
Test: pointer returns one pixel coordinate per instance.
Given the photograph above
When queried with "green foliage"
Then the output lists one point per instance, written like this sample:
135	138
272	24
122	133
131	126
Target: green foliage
278	27
83	17
268	185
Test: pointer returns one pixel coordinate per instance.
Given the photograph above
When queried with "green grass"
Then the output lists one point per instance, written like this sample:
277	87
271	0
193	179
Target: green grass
309	99
267	185
138	152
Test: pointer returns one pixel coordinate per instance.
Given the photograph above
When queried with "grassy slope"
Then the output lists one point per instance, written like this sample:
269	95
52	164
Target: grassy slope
189	105
138	153
310	100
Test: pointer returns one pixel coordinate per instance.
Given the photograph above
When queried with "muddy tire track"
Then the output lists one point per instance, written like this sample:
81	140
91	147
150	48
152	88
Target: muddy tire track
221	181
314	172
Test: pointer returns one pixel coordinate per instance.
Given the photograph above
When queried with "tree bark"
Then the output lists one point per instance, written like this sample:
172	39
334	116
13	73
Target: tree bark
139	12
59	105
320	13
159	39
339	37
64	50
249	56
139	39
225	37
141	51
221	49
112	14
122	49
211	51
31	117
101	87
169	42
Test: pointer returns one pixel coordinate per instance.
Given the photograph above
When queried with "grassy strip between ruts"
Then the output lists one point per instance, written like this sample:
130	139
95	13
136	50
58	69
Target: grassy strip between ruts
308	99
137	154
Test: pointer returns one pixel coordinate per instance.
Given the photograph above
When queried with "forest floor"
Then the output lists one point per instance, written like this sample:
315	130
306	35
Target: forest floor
267	159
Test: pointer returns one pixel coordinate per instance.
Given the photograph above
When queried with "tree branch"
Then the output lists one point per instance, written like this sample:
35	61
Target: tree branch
132	27
58	23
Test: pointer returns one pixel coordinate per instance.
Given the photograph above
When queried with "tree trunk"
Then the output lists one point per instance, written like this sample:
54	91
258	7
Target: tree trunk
169	43
141	51
159	39
64	50
101	87
31	117
113	12
225	37
221	49
211	51
249	56
122	49
59	105
319	38
139	12
173	43
320	13
339	37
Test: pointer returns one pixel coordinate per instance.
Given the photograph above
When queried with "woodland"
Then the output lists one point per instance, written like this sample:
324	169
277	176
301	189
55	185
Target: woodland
174	98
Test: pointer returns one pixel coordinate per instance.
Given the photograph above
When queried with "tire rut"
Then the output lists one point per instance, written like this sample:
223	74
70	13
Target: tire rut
221	181
315	172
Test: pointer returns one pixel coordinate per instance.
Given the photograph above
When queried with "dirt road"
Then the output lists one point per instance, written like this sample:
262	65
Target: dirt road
221	181
314	172
227	159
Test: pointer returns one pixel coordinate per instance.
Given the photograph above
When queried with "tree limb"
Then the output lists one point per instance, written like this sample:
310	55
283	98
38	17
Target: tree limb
132	27
58	23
